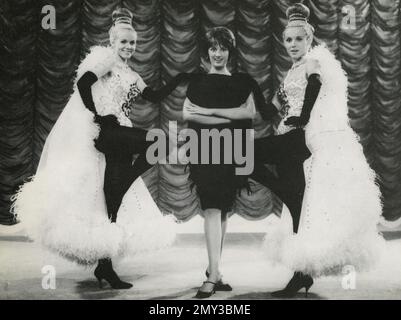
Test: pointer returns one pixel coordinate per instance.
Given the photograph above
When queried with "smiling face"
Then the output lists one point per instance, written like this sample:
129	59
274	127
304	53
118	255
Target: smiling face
218	56
296	42
124	43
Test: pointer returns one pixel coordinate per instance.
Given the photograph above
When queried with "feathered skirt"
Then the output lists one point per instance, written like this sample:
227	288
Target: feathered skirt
340	211
63	206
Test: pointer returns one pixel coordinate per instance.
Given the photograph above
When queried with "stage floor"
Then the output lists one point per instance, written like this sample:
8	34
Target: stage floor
177	272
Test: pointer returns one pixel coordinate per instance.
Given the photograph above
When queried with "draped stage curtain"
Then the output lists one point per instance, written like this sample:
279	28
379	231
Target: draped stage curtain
38	70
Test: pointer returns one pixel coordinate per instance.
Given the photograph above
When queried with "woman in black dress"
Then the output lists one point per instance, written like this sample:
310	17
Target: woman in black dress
287	149
217	184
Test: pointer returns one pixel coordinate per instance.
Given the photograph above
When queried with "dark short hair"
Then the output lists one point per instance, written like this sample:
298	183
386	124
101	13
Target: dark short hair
221	36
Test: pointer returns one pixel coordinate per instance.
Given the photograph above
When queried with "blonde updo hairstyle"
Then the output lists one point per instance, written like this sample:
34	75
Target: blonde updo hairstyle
298	15
122	20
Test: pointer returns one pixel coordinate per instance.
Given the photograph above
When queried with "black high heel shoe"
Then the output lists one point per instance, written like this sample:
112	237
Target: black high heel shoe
206	294
297	282
104	270
220	285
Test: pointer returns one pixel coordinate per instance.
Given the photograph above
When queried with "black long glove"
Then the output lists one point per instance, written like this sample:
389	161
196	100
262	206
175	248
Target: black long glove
84	85
159	94
266	110
311	94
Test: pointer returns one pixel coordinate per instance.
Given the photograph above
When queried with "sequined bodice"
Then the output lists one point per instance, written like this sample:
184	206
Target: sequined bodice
294	86
117	89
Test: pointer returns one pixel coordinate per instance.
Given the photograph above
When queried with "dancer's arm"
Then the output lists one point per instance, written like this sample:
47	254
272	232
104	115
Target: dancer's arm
245	111
84	85
153	95
311	93
266	110
205	119
96	64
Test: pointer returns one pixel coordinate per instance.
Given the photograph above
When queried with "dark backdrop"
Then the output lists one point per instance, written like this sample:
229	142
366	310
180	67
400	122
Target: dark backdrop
38	66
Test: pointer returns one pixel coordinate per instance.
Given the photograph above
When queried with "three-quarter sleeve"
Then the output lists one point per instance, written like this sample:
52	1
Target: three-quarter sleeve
266	110
156	95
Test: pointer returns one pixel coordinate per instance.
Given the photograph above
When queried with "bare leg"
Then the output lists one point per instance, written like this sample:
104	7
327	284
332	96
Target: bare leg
213	234
223	233
223	230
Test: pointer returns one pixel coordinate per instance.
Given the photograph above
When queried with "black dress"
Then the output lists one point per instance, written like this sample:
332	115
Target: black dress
218	184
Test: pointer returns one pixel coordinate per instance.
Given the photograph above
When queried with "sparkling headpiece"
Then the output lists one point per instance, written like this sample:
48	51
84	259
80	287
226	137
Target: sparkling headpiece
122	16
297	14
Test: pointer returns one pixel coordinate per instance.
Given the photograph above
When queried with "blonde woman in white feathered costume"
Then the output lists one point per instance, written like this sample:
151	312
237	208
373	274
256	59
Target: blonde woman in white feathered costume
342	202
71	204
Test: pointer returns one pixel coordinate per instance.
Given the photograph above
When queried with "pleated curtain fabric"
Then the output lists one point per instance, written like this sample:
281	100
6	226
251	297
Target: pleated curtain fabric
38	71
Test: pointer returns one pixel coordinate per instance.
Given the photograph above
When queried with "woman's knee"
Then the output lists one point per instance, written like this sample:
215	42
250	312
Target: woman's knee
212	213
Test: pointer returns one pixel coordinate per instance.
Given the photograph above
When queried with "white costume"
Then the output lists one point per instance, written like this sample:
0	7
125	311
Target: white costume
342	202
64	204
